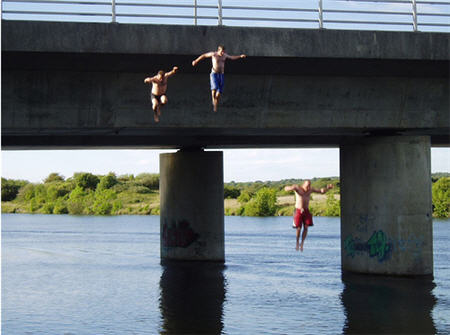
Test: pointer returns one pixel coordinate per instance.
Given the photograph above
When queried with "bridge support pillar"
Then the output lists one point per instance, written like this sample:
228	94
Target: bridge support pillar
386	223
192	206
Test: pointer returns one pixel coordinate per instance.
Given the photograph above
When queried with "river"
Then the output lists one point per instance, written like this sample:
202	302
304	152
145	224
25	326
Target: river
70	275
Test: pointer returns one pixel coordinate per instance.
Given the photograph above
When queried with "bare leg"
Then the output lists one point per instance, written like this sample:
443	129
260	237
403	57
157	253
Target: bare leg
213	96
298	238
155	106
163	102
217	96
305	232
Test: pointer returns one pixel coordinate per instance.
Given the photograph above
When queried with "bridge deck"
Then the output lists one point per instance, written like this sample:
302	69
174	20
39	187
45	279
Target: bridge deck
81	85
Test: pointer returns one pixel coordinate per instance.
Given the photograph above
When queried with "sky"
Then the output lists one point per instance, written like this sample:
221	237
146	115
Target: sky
239	164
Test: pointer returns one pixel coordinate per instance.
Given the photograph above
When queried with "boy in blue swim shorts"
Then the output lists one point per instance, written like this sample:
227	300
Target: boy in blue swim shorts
217	77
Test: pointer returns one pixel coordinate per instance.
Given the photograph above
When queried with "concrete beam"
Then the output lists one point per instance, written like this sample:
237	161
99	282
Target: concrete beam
80	85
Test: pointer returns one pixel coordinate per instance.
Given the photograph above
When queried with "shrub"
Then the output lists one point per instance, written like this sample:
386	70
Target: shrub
244	197
263	204
10	188
86	180
441	197
48	208
333	206
230	192
148	180
53	177
108	181
60	207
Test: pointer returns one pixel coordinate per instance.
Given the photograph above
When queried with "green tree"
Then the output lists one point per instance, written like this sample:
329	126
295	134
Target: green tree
27	192
333	206
108	181
86	180
263	204
75	203
441	198
149	180
60	207
10	188
103	203
53	177
244	197
230	192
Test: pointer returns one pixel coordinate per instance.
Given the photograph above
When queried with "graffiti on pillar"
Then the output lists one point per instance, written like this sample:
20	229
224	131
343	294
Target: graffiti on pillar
376	246
178	234
379	246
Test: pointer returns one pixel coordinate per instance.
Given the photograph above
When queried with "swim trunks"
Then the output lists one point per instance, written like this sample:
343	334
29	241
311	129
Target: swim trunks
217	81
157	97
304	217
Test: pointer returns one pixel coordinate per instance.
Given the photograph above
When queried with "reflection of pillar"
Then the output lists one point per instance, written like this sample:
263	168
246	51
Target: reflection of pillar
192	209
388	305
386	223
192	296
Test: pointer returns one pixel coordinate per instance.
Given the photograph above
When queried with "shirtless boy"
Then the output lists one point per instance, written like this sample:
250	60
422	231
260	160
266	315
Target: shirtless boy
301	213
217	78
159	88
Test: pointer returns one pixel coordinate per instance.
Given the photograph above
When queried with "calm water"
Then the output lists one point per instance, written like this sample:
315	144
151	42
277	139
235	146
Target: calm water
102	275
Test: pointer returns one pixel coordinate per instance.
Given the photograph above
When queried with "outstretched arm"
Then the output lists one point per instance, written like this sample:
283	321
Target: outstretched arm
236	57
201	57
323	190
171	73
148	80
292	188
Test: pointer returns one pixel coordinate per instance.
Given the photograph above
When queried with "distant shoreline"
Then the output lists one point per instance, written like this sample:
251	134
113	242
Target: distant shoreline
88	194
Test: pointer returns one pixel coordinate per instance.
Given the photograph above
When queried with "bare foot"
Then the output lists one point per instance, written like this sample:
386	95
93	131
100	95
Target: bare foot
155	116
301	247
296	247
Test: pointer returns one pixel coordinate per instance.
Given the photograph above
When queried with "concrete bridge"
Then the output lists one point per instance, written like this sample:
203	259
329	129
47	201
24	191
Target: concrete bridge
381	97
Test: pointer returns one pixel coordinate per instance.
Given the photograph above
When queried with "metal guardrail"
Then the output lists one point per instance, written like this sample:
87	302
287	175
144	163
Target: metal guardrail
416	15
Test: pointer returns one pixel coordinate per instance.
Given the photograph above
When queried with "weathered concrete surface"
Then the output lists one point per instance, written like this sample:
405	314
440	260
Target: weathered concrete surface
191	192
69	37
78	85
386	223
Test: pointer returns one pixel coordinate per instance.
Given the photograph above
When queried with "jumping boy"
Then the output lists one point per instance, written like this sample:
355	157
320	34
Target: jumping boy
301	213
217	78
159	88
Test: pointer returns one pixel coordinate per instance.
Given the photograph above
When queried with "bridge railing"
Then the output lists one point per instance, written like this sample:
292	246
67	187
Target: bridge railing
415	15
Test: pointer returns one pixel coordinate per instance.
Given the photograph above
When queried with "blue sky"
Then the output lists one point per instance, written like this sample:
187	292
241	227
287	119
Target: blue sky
239	164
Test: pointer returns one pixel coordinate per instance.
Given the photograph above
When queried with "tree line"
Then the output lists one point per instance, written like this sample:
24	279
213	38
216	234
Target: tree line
88	194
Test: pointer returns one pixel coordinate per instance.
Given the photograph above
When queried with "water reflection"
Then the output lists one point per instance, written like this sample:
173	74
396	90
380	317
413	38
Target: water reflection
381	305
192	297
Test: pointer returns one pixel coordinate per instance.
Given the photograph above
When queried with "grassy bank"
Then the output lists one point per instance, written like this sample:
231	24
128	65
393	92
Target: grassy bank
88	194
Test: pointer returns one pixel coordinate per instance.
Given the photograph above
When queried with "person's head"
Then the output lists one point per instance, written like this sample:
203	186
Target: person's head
160	74
307	185
221	50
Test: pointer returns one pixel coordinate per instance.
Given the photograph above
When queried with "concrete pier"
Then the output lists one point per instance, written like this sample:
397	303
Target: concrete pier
192	207
386	223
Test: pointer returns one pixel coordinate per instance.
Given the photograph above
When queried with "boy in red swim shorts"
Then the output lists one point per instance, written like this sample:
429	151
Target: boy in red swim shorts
302	216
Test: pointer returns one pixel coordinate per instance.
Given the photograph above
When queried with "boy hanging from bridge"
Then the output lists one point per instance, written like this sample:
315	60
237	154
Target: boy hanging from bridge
217	78
159	88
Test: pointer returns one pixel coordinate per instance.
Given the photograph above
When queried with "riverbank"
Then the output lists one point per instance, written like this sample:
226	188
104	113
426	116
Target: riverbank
88	194
148	204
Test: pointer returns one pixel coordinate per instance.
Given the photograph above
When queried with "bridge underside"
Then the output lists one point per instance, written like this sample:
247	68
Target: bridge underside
73	100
